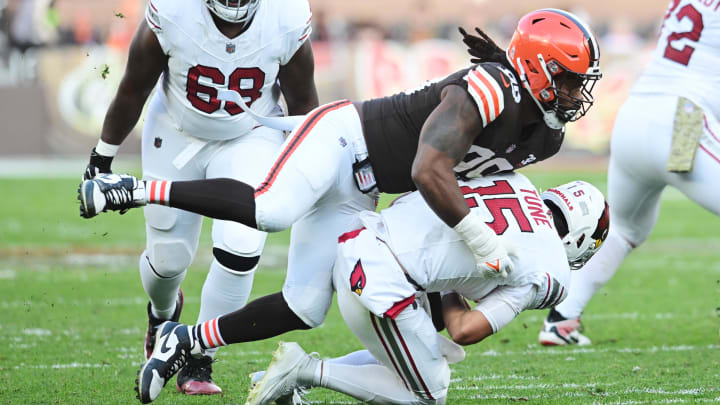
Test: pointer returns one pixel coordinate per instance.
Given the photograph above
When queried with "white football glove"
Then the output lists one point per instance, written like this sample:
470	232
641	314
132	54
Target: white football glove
491	257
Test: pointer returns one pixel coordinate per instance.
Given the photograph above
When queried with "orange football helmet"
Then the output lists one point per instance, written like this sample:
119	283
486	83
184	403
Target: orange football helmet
551	45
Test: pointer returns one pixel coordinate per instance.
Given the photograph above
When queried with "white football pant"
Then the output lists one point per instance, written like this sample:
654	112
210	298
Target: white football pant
311	187
172	234
412	367
637	176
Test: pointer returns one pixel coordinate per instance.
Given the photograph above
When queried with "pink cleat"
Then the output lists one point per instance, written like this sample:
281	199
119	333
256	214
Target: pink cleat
558	331
195	378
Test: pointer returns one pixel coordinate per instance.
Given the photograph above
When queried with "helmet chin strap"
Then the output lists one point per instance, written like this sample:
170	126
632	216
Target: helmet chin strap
551	119
224	12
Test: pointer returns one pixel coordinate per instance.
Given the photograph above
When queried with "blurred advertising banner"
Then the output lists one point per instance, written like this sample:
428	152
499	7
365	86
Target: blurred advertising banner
61	111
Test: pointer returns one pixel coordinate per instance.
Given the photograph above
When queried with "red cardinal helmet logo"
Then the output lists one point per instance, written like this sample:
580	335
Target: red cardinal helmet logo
357	279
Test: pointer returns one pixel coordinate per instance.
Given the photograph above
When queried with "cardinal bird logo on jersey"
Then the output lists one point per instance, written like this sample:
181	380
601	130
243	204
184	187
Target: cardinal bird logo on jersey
357	279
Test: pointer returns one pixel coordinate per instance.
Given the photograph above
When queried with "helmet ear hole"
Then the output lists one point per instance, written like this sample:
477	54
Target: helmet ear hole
558	218
580	240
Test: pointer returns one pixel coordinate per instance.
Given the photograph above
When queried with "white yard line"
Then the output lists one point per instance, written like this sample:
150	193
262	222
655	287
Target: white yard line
633	316
23	366
591	350
112	302
574	394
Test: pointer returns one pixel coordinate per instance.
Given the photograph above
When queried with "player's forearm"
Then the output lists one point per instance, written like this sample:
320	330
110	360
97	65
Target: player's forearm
122	116
453	309
438	186
302	104
464	326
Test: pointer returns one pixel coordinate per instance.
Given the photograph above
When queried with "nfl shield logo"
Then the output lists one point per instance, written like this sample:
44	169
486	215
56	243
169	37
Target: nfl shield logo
230	48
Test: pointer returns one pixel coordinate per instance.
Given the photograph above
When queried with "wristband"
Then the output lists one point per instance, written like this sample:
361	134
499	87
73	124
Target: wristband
106	149
481	239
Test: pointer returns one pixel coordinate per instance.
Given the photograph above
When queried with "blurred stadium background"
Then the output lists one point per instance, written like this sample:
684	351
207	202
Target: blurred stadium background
61	60
71	304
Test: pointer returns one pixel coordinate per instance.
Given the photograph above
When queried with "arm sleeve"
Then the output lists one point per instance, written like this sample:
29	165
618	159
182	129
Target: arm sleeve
504	303
299	28
550	291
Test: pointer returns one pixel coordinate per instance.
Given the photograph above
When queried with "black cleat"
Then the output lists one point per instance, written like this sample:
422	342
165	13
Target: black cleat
174	345
195	378
153	323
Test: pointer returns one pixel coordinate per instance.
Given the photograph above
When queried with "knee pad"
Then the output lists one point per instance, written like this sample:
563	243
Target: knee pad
169	258
311	305
172	237
235	264
237	239
274	214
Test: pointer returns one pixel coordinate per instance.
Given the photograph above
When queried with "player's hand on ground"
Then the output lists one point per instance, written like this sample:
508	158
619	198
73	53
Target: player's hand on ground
98	164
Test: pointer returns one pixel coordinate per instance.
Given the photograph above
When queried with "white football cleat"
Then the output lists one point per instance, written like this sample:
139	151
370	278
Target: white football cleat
562	333
297	397
280	378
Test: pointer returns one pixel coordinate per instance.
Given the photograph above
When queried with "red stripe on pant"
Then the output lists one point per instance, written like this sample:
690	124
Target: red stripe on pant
300	135
412	362
387	350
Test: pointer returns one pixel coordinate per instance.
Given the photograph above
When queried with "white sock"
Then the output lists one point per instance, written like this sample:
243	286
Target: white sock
370	383
595	274
224	292
161	291
358	358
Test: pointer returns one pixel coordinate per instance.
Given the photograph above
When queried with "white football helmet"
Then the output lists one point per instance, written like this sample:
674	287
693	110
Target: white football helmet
234	11
585	212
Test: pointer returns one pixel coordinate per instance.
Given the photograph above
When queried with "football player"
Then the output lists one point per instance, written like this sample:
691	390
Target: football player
258	48
386	262
665	134
505	112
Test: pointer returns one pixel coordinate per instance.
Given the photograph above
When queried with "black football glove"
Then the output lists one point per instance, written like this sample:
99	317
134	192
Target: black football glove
98	164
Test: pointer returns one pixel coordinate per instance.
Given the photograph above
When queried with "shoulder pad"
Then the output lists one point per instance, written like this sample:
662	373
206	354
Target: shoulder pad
158	12
487	93
152	16
294	14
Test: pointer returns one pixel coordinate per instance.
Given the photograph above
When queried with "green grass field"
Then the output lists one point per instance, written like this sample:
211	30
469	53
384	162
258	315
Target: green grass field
73	315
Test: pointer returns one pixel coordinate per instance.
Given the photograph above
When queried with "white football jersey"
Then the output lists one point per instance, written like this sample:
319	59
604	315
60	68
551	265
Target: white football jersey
202	60
687	55
437	258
